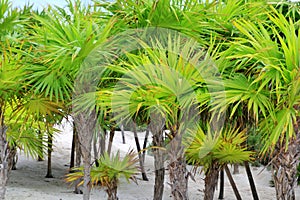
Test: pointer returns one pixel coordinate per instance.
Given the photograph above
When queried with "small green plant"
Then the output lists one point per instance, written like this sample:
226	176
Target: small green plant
215	149
108	172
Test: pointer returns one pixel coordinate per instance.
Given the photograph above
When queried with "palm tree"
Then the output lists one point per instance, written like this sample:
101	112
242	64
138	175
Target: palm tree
265	78
19	108
108	171
214	150
10	83
61	41
149	85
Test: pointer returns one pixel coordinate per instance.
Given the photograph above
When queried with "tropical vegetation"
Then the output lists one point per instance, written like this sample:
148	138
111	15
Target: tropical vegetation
201	76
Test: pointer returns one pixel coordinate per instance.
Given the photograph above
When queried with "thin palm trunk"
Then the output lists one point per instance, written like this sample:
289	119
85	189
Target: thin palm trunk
177	168
112	190
211	181
85	125
251	181
138	147
232	183
285	169
221	193
145	143
110	141
50	149
123	133
95	149
156	128
77	159
72	159
236	169
3	159
102	142
40	135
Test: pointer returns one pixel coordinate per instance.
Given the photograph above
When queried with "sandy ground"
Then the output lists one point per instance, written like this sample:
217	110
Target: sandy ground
28	182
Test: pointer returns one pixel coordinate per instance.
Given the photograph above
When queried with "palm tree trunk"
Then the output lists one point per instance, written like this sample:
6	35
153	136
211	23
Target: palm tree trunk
232	183
50	149
95	149
4	151
285	165
123	133
177	168
145	143
211	181
138	147
251	181
72	159
156	128
112	190
85	125
221	194
102	142
40	135
77	159
110	141
236	169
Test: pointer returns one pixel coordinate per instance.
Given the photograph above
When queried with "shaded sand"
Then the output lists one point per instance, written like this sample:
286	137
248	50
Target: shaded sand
28	182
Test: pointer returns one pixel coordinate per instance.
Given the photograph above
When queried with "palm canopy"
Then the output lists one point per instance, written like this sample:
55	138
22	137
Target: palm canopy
167	76
268	54
62	39
224	146
109	169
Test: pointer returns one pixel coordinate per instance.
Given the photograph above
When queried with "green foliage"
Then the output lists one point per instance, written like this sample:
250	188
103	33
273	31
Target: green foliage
221	147
109	169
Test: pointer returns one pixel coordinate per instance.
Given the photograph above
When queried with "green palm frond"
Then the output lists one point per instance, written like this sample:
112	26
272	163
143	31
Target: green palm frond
162	77
25	138
61	43
240	91
222	147
268	52
109	169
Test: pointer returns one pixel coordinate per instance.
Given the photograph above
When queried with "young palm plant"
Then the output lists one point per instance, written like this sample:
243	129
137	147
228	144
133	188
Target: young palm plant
214	149
107	172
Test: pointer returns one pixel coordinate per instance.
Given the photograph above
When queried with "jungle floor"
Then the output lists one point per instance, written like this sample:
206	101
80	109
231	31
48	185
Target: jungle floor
28	182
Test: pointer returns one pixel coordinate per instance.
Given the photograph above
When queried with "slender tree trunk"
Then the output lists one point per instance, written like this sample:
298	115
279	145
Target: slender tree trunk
50	149
4	151
145	143
138	147
285	170
156	128
177	169
232	183
72	159
95	149
221	194
78	189
111	138
112	190
85	125
251	181
102	142
236	169
12	158
123	133
211	181
40	135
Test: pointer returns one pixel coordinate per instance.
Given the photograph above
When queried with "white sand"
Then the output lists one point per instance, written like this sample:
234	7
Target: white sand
28	182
